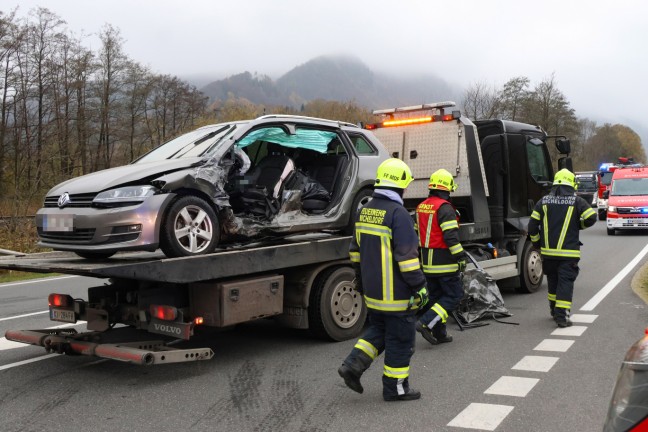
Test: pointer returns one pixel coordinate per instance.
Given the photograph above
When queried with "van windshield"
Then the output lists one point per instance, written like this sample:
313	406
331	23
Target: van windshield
629	187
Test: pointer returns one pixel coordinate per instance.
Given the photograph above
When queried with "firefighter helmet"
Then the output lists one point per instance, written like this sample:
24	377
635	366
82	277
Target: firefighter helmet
564	177
393	173
442	180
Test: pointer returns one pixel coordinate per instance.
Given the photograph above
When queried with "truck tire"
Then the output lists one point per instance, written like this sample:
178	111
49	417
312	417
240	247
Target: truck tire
530	270
363	196
336	310
602	215
611	231
190	227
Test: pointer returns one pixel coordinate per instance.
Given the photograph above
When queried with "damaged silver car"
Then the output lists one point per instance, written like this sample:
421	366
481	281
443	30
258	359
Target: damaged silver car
275	175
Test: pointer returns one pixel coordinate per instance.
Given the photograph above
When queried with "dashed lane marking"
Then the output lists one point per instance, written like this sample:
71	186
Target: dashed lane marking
557	345
569	331
512	386
583	318
481	416
536	363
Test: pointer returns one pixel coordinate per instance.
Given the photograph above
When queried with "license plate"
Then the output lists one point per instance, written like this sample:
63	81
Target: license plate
63	222
63	315
640	221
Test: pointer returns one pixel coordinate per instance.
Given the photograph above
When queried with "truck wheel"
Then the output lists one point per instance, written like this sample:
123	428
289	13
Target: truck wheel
336	310
531	272
611	231
602	215
362	198
95	255
190	227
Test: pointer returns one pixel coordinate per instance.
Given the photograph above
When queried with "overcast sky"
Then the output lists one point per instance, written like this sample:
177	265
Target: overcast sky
595	48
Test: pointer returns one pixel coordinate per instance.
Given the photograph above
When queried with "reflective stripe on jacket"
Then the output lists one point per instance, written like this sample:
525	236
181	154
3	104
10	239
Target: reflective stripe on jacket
556	221
384	249
438	228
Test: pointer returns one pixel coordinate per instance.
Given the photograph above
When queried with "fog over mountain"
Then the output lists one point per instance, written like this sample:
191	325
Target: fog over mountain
341	78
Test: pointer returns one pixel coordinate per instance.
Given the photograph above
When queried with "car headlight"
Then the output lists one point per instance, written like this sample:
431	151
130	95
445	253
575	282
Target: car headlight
629	404
123	195
612	208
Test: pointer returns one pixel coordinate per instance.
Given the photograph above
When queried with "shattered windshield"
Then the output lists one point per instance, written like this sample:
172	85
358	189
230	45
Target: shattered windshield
630	187
201	142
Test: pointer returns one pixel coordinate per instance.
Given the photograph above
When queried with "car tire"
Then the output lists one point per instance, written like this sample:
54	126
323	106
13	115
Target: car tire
190	227
361	198
530	270
611	231
95	256
336	311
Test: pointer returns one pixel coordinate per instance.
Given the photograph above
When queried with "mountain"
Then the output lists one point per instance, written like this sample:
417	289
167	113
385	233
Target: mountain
332	78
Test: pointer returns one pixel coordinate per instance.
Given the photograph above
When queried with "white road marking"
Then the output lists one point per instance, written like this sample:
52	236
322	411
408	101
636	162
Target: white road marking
481	416
583	318
49	279
569	331
512	386
607	289
536	363
24	315
24	362
557	345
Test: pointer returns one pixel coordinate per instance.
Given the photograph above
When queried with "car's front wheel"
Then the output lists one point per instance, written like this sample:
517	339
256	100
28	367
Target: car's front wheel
190	227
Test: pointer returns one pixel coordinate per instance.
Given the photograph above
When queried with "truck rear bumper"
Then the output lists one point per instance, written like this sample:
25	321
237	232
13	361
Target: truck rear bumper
68	341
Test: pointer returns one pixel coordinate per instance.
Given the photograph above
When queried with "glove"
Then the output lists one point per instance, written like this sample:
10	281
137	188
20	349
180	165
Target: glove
420	298
462	265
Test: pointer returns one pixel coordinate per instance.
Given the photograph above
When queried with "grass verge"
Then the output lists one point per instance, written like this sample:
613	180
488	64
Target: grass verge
16	276
640	283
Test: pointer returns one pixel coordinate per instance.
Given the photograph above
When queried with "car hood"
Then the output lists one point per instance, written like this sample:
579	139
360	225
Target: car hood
628	201
127	174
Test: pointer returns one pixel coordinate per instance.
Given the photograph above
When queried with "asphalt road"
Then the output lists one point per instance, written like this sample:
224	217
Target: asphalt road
501	377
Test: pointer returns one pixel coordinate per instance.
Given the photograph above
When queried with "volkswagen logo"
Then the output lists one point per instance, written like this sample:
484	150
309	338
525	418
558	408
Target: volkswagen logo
64	200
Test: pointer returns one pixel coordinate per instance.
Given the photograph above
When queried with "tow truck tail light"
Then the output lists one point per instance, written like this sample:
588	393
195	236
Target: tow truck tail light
199	320
60	300
166	313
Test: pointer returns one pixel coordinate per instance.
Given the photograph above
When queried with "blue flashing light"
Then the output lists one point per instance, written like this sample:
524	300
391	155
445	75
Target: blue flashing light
644	210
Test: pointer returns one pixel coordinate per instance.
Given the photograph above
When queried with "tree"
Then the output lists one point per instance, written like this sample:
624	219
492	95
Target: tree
481	101
512	97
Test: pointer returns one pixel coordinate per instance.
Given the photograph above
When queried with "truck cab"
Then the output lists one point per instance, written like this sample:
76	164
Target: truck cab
502	168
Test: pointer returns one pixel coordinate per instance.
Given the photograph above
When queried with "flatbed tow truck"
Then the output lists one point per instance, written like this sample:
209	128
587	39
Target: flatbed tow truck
303	282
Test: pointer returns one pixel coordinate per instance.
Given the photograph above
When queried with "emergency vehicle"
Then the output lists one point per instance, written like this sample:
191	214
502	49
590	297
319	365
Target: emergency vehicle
628	200
603	180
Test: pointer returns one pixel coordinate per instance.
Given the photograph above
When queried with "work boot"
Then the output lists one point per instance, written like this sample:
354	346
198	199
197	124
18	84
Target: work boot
561	317
410	394
426	333
351	379
440	333
353	367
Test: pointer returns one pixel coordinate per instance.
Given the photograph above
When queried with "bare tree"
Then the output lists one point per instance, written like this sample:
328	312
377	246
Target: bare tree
481	101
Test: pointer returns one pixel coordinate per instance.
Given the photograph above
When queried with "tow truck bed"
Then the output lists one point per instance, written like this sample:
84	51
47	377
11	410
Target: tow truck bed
147	266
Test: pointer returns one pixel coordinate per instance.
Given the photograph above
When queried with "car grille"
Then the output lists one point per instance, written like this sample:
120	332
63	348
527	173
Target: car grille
79	236
76	200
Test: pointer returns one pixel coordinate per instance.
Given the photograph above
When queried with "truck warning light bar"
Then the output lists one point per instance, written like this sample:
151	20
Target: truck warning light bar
406	121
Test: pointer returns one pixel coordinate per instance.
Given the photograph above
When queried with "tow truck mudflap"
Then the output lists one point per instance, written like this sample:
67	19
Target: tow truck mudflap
68	341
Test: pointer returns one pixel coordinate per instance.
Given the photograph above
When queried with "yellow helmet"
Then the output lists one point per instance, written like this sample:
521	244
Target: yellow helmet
393	173
442	180
565	177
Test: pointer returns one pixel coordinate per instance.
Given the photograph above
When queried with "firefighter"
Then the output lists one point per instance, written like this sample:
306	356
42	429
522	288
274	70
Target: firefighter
554	229
384	254
442	256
